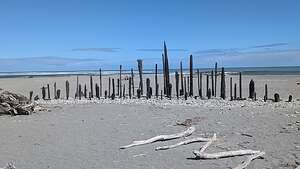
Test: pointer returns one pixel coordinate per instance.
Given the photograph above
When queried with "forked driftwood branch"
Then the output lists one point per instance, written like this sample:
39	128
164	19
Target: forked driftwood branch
224	154
186	133
245	163
9	166
214	138
185	142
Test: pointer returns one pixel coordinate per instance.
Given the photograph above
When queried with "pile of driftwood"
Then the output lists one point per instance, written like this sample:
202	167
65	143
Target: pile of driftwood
15	104
199	154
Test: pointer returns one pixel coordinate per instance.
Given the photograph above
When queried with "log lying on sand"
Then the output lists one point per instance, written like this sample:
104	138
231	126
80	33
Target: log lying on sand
203	155
245	163
185	142
9	166
186	133
214	138
15	104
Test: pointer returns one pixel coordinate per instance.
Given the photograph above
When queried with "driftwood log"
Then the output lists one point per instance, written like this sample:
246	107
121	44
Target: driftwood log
185	142
186	133
224	154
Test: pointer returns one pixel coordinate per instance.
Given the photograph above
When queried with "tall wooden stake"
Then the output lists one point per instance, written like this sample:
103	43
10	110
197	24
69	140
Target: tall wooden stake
200	91
129	87
177	84
156	82
109	81
54	86
48	88
181	79
223	85
231	97
100	81
216	76
67	90
240	81
191	76
235	92
85	91
140	67
120	95
207	85
91	86
212	84
266	93
113	89
132	79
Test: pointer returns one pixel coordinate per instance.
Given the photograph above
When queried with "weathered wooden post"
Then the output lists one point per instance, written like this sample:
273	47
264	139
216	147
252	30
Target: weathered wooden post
109	81
240	81
113	89
164	72
48	88
276	97
191	76
79	92
198	78
235	94
169	90
266	93
140	67
91	85
132	78
251	89
216	76
181	79
129	87
209	93
290	98
148	88
207	84
43	93
58	94
97	91
118	85
138	92
185	93
212	83
161	94
30	95
67	89
177	84
124	89
231	97
223	85
85	91
100	82
54	86
120	95
167	72
200	91
105	94
188	85
156	82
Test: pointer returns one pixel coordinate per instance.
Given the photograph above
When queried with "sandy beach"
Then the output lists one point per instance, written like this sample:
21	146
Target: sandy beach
88	134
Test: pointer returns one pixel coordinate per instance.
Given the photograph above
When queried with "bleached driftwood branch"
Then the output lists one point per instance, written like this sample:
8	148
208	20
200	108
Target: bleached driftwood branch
248	160
9	166
214	138
185	142
186	133
224	154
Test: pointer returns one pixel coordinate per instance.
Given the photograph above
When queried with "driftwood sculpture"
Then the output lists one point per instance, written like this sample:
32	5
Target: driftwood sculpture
186	133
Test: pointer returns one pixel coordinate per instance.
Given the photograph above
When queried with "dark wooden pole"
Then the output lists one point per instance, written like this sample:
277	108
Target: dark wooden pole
85	91
185	93
164	72
124	91
212	84
48	88
156	82
240	81
191	76
251	89
79	92
266	93
54	86
231	97
77	87
97	91
91	86
223	85
140	67
67	90
216	76
198	79
109	81
207	84
235	93
100	82
129	87
200	91
177	84
43	93
167	72
148	96
132	79
120	94
181	79
118	85
113	89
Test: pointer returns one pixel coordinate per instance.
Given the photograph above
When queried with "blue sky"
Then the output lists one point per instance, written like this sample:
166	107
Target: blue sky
88	34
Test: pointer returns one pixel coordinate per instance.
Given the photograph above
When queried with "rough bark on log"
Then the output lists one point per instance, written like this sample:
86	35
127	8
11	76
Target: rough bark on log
185	142
186	133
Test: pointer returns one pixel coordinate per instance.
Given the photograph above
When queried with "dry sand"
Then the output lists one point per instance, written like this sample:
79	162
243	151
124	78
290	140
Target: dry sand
89	135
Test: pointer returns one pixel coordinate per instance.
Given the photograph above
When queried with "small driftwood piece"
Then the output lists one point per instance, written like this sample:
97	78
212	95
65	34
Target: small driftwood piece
224	154
186	133
185	142
9	166
245	163
210	141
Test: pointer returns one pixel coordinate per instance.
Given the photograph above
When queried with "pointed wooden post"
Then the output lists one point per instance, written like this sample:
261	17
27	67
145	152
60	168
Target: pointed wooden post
132	79
209	94
85	91
140	67
67	90
212	84
156	82
167	72
77	87
100	82
54	91
113	90
105	94
191	76
198	79
161	94
79	92
181	79
200	91
120	95
266	93
185	93
124	90
207	84
97	91
240	81
91	86
58	94
231	97
223	85
251	89
216	76
177	84
109	81
48	88
235	93
148	88
129	87
43	93
188	85
164	72
118	85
